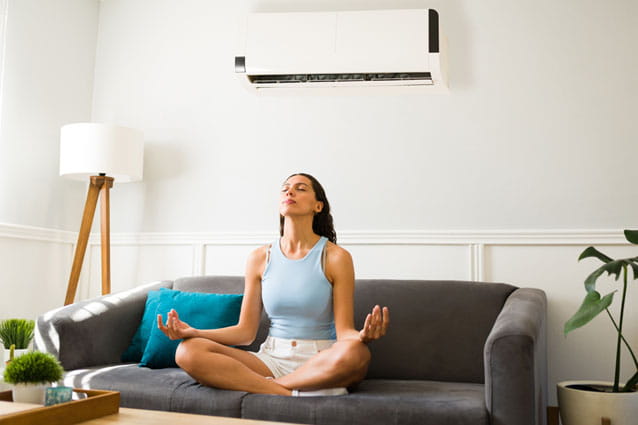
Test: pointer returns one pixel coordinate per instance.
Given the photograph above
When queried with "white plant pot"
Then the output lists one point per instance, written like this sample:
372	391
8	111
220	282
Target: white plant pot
16	353
582	407
29	393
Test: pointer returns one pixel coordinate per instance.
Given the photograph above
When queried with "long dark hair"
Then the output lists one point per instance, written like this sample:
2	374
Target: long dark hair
322	221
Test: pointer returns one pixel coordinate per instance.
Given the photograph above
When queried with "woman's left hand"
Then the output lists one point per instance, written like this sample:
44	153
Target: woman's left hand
376	324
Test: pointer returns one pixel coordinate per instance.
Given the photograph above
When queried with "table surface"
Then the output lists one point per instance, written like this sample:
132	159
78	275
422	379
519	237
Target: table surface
146	417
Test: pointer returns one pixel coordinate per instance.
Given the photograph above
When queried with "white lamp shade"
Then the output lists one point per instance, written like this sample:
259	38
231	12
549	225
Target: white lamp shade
88	149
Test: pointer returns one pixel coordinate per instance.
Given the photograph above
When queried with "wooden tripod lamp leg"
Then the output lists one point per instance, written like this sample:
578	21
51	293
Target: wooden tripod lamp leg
83	238
105	232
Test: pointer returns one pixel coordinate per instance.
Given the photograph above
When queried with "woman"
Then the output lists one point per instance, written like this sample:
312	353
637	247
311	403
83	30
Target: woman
305	281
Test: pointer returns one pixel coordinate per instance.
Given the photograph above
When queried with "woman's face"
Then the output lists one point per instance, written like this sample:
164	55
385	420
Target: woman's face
298	197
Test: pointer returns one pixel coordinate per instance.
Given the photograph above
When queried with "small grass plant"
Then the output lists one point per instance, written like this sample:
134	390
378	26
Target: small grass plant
35	367
18	332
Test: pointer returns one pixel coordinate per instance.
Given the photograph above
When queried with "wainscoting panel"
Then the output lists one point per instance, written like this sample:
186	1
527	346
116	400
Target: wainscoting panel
35	262
411	261
134	265
221	259
33	274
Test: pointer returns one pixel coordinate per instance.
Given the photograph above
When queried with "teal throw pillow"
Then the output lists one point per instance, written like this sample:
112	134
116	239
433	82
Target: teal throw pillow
199	310
136	348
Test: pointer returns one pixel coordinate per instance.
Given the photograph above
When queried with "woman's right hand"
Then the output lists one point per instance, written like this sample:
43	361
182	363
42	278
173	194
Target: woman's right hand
175	328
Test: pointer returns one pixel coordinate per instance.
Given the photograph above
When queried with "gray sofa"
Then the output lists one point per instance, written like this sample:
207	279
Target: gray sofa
462	353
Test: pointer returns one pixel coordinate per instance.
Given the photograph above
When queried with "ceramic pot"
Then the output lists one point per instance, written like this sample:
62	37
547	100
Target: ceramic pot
29	393
16	353
584	407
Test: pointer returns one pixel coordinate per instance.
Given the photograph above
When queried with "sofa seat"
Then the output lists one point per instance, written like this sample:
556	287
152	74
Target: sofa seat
387	401
169	389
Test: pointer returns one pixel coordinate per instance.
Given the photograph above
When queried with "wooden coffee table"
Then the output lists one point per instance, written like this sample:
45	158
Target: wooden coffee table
145	417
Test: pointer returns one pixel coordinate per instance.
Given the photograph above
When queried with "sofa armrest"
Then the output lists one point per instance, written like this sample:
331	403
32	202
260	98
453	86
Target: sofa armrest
515	358
93	332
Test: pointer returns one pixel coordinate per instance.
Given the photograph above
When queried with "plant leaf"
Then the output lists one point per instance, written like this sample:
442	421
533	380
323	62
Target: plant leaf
593	252
591	307
614	267
632	236
590	282
631	384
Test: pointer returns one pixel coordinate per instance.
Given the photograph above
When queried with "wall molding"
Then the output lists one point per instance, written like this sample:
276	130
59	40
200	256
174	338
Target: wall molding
403	237
475	241
473	238
18	231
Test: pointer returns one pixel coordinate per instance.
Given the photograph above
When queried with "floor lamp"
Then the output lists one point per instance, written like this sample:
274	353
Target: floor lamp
101	154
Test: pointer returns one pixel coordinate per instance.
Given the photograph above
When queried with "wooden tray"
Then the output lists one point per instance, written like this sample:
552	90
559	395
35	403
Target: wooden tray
98	403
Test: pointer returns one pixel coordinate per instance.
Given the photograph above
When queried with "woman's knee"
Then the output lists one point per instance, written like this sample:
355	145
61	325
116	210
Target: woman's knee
184	353
190	350
352	359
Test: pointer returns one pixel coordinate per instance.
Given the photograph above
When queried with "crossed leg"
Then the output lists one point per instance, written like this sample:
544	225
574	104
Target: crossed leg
343	364
216	365
220	366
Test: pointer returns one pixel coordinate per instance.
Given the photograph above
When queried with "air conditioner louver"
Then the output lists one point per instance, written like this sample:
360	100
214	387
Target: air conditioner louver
416	77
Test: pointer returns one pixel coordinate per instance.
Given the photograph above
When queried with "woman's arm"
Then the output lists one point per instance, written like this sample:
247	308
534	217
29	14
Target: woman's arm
339	270
245	331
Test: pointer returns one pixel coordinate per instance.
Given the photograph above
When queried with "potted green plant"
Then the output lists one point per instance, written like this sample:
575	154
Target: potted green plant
586	402
30	374
16	332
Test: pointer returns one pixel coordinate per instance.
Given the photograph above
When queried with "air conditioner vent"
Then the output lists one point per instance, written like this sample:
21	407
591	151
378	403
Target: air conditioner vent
386	78
331	78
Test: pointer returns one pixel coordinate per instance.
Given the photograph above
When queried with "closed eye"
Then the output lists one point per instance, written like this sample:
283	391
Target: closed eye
300	186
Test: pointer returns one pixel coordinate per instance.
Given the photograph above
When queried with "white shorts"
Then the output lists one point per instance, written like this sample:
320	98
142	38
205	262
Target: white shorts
284	356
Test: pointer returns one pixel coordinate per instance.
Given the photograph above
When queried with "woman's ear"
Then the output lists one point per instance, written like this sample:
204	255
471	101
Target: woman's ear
319	207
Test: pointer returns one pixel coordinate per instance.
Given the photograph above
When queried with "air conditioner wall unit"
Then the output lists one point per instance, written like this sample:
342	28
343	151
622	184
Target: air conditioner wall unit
343	49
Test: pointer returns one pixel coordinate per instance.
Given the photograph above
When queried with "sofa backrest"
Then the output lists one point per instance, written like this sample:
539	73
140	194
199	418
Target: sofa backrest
437	329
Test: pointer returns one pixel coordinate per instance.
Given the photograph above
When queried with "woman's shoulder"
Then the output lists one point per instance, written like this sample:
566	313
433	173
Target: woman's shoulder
258	256
337	253
338	266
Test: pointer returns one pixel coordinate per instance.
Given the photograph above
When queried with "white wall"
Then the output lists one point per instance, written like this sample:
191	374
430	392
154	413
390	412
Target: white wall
47	81
507	178
537	131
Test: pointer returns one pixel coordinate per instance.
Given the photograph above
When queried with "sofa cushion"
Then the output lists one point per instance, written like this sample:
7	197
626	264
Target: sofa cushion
437	330
169	389
200	310
138	343
375	401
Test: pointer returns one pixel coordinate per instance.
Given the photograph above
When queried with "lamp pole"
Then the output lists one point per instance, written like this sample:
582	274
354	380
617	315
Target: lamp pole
99	185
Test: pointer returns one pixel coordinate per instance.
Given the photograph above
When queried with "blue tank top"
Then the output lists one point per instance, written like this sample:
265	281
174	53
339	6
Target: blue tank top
297	296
